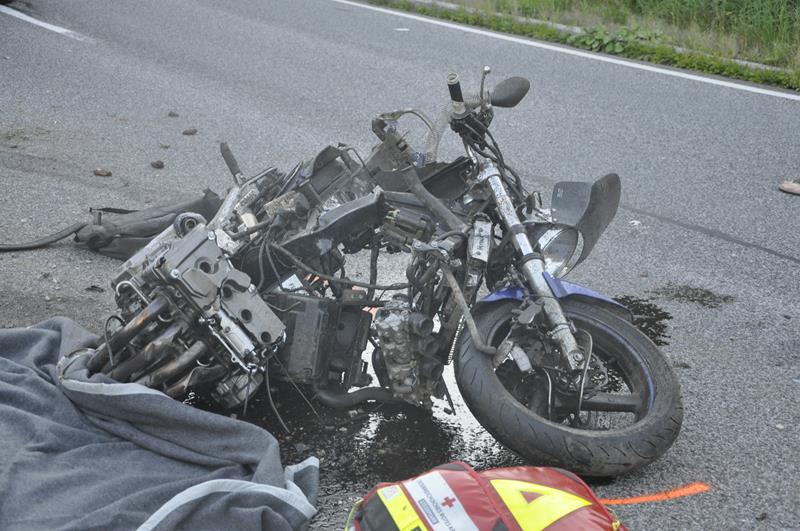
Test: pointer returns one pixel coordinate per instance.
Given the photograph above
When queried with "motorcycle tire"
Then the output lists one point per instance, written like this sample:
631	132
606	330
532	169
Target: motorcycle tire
596	453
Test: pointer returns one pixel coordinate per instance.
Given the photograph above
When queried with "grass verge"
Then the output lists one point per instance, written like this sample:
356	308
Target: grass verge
625	42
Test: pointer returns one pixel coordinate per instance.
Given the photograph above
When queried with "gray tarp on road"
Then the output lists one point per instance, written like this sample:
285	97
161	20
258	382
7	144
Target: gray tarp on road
87	453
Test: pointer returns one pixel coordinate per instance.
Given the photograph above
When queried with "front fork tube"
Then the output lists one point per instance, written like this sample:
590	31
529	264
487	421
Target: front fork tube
532	267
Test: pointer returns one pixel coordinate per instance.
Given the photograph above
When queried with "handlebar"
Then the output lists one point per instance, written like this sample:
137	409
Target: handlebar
442	122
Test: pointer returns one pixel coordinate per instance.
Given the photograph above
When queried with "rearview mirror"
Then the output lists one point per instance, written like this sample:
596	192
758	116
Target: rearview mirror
509	92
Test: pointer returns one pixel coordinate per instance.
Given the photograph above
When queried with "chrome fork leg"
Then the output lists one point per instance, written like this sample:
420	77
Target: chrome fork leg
533	269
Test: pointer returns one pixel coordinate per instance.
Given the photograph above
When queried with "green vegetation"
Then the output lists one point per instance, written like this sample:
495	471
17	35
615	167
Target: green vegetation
714	31
767	31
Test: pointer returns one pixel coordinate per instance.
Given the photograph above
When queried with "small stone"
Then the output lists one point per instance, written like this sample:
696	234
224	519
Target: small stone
343	429
644	274
164	146
761	517
13	146
635	222
780	427
173	114
157	164
681	365
95	289
189	132
300	447
100	172
47	298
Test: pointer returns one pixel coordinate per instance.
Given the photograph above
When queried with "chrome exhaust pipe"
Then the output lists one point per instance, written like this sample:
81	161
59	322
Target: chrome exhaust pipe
128	332
175	367
152	352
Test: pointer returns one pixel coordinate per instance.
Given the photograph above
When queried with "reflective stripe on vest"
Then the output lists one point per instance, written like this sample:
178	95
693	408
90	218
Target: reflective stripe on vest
400	509
535	507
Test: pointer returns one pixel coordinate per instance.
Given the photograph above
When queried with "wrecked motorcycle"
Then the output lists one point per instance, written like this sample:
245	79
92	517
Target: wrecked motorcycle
552	370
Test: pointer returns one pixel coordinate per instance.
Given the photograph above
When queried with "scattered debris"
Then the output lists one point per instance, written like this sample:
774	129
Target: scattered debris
157	164
100	172
173	114
164	146
681	365
189	132
644	274
401	29
635	222
95	289
780	427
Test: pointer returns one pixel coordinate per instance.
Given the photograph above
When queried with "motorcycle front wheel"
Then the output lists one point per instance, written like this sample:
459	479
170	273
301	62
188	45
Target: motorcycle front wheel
628	416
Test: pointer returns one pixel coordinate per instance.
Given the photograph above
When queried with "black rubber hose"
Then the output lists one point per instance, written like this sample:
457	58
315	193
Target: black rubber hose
42	242
434	204
466	313
351	400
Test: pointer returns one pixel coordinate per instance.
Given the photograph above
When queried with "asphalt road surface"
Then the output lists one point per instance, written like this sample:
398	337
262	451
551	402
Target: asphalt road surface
703	235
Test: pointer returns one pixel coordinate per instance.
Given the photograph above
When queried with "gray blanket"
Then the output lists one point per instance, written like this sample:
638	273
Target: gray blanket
87	453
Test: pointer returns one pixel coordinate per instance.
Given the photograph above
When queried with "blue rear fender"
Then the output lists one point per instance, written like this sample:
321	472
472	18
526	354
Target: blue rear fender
564	290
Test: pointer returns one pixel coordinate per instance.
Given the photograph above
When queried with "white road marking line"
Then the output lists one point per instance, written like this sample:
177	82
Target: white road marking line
58	29
577	53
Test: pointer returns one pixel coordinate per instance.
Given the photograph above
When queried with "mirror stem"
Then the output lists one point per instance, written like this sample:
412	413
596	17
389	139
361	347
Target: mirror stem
484	97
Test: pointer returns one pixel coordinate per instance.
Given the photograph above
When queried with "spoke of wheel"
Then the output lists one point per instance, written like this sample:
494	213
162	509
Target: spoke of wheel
611	402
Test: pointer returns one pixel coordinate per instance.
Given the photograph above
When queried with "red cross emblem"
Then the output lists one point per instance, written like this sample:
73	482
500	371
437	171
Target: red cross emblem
449	502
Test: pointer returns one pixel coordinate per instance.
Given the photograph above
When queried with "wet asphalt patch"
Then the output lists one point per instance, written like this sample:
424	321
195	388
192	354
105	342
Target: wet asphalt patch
648	317
688	294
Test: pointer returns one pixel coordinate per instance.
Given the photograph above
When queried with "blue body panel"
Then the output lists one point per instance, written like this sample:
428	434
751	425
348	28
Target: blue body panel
513	292
560	288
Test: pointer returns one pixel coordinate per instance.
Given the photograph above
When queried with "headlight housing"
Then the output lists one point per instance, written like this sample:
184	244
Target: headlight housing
558	245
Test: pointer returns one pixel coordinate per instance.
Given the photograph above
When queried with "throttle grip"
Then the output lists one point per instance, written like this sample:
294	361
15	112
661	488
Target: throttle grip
230	161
